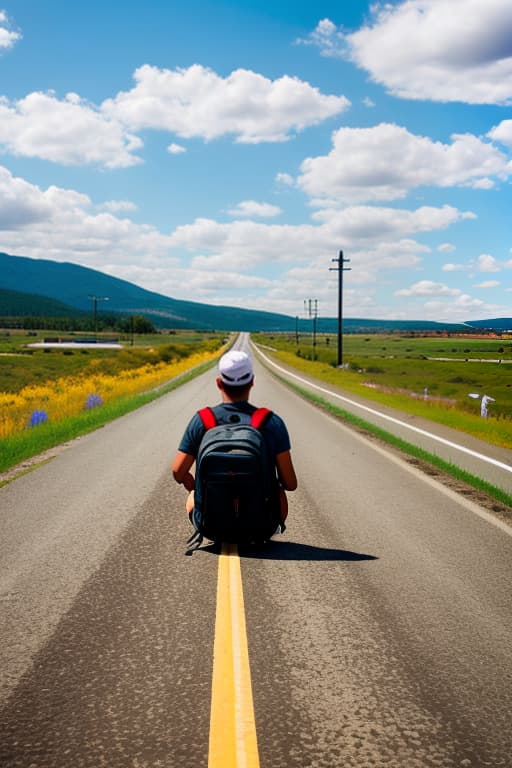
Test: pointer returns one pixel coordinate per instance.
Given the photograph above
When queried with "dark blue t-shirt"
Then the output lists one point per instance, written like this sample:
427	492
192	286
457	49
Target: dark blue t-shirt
273	430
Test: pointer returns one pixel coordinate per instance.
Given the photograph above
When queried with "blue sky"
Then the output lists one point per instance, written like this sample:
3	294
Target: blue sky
224	152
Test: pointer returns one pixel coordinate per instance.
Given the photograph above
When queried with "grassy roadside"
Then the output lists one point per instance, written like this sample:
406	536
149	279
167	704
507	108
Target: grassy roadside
29	443
494	499
22	366
451	406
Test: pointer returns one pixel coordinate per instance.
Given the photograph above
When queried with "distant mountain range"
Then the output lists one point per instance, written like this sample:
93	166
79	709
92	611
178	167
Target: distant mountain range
75	286
40	287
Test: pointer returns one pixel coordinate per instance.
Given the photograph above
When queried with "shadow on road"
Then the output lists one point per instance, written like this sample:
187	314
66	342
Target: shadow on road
293	550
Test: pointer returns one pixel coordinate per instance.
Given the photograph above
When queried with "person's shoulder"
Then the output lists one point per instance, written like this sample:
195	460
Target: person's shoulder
275	420
273	414
195	418
276	432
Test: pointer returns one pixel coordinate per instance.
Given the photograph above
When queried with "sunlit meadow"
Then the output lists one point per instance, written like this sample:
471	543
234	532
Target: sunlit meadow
68	396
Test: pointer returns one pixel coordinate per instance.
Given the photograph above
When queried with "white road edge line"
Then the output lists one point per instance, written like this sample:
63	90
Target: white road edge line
470	505
463	449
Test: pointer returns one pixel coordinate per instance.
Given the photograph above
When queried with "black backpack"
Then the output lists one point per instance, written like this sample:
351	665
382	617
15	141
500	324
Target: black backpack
236	497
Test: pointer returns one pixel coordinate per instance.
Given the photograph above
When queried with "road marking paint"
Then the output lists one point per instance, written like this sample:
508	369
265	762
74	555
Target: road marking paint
456	446
233	742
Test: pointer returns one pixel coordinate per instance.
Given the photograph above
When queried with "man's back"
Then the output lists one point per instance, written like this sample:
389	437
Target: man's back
273	429
235	382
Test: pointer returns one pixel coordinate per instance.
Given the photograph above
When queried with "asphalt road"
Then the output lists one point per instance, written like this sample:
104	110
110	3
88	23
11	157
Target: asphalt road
379	626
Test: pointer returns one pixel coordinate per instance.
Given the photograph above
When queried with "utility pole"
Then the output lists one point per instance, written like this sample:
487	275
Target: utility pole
95	300
340	269
311	306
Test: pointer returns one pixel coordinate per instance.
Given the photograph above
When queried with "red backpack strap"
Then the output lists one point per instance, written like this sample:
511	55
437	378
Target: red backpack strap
207	416
259	417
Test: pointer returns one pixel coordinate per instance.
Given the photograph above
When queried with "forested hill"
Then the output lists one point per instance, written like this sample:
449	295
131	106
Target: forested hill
75	285
19	304
40	287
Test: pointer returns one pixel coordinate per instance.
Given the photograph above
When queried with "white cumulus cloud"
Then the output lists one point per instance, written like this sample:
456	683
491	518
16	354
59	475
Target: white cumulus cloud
250	209
193	102
502	133
364	230
488	284
386	161
428	288
21	203
8	36
457	309
118	206
454	50
365	223
487	263
197	102
176	149
450	267
327	37
285	178
69	131
439	50
446	248
61	224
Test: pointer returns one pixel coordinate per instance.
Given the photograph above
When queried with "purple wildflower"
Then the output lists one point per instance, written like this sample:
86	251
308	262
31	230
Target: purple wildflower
93	401
38	417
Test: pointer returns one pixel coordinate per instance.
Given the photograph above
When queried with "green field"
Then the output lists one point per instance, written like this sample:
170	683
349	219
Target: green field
21	366
402	372
398	371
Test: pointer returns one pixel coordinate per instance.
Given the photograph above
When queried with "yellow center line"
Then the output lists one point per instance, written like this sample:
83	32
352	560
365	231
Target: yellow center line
233	742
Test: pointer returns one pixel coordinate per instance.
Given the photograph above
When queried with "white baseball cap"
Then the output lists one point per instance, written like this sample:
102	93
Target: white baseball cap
235	368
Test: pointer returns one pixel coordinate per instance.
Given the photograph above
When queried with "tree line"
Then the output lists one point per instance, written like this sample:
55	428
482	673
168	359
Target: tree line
104	323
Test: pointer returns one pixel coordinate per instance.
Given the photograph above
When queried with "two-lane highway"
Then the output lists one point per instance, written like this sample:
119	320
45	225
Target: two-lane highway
377	629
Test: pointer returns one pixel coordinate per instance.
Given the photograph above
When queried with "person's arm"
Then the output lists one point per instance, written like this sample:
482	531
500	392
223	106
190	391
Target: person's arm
286	471
181	469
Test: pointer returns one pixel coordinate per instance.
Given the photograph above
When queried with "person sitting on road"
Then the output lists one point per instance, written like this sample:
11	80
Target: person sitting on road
235	381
